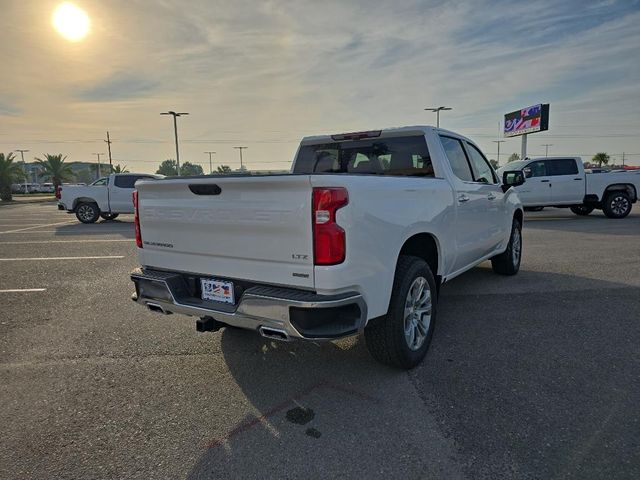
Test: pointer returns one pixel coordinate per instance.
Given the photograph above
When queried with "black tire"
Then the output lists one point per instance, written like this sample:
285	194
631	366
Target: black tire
109	216
582	210
617	205
533	209
87	212
508	263
385	336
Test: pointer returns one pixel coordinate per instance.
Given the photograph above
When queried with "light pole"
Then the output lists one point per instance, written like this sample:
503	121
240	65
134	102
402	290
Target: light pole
546	148
98	155
108	142
210	164
175	129
437	110
499	142
24	167
240	148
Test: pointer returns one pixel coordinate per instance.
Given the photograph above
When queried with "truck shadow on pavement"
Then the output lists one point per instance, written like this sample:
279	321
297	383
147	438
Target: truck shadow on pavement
123	228
533	379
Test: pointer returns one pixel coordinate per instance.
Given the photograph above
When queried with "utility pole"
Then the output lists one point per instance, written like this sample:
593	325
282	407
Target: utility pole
240	148
24	167
546	148
175	130
623	159
108	142
499	142
210	164
437	110
98	155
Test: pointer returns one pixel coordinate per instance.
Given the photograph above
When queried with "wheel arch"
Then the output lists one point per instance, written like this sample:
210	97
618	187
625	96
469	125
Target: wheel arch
519	215
426	246
80	200
616	187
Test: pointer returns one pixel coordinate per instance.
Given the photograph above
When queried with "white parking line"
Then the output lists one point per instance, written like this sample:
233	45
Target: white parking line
38	226
35	259
81	240
25	290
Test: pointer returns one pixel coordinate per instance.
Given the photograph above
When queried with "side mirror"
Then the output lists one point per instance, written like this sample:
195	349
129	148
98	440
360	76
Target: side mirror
512	178
527	172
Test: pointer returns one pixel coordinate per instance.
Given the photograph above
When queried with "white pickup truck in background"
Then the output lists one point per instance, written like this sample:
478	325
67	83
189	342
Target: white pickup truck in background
361	233
562	182
106	197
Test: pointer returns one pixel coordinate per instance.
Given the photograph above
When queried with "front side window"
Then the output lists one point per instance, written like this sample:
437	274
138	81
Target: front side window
566	166
401	156
481	168
101	182
457	158
536	169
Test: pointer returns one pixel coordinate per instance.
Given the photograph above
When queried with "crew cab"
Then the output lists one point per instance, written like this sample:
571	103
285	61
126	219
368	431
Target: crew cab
107	197
563	182
359	236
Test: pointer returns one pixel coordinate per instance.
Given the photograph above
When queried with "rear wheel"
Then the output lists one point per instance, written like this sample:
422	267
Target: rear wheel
87	212
617	205
508	263
401	338
582	210
109	216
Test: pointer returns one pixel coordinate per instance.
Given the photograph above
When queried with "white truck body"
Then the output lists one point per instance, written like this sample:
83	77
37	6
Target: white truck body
109	195
258	231
563	182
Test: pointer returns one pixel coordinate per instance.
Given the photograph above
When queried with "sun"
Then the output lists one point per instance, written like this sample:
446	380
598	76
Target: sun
71	22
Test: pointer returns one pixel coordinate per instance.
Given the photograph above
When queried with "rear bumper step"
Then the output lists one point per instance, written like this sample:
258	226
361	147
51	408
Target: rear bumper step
274	312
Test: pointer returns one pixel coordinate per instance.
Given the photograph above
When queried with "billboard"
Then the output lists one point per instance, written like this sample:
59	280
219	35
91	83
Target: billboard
527	120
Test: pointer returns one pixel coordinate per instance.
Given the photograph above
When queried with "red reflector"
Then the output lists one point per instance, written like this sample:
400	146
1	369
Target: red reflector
136	219
329	245
356	135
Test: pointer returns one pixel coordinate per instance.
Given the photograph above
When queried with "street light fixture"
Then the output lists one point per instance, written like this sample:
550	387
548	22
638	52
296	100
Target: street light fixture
437	111
175	130
210	164
240	148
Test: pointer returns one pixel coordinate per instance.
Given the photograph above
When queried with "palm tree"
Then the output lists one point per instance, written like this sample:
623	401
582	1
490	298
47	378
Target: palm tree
119	169
54	168
9	173
601	158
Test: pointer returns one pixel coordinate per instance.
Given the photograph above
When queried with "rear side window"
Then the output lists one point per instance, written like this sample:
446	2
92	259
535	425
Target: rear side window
457	158
566	166
127	181
401	156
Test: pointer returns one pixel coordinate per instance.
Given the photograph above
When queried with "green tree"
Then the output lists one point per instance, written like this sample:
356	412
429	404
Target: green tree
601	158
224	168
513	157
54	168
169	168
188	168
494	163
9	173
119	169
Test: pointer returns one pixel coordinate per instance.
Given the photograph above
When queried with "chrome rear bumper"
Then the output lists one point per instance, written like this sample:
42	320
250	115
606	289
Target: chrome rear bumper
298	313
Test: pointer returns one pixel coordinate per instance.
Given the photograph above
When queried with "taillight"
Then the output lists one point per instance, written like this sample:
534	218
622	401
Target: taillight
329	246
136	219
58	192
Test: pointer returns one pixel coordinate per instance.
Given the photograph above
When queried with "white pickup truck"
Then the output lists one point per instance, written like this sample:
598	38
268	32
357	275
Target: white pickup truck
562	182
361	233
106	197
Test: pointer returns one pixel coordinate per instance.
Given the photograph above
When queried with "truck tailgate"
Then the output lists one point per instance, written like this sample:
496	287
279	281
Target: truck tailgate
251	228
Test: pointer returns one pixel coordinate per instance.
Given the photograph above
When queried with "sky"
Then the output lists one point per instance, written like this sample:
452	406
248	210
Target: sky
263	74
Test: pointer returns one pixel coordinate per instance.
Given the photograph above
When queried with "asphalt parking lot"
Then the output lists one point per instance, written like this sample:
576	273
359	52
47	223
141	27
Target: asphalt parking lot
532	376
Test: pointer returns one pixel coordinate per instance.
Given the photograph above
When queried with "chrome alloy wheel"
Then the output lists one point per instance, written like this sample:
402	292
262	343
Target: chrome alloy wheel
619	205
516	245
85	212
417	313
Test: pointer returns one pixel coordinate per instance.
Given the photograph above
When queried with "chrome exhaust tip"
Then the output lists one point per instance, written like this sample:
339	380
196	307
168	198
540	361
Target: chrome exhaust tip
274	334
154	307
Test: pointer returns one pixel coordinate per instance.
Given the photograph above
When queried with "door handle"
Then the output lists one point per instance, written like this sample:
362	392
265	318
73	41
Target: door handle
578	179
491	196
463	198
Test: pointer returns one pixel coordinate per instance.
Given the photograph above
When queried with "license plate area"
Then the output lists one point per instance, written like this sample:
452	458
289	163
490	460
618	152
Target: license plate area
216	290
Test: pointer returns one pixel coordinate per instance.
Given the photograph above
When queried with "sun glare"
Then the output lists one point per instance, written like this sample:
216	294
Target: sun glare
71	22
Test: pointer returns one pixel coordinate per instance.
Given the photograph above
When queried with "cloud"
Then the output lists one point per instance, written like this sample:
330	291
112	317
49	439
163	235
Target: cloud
118	87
